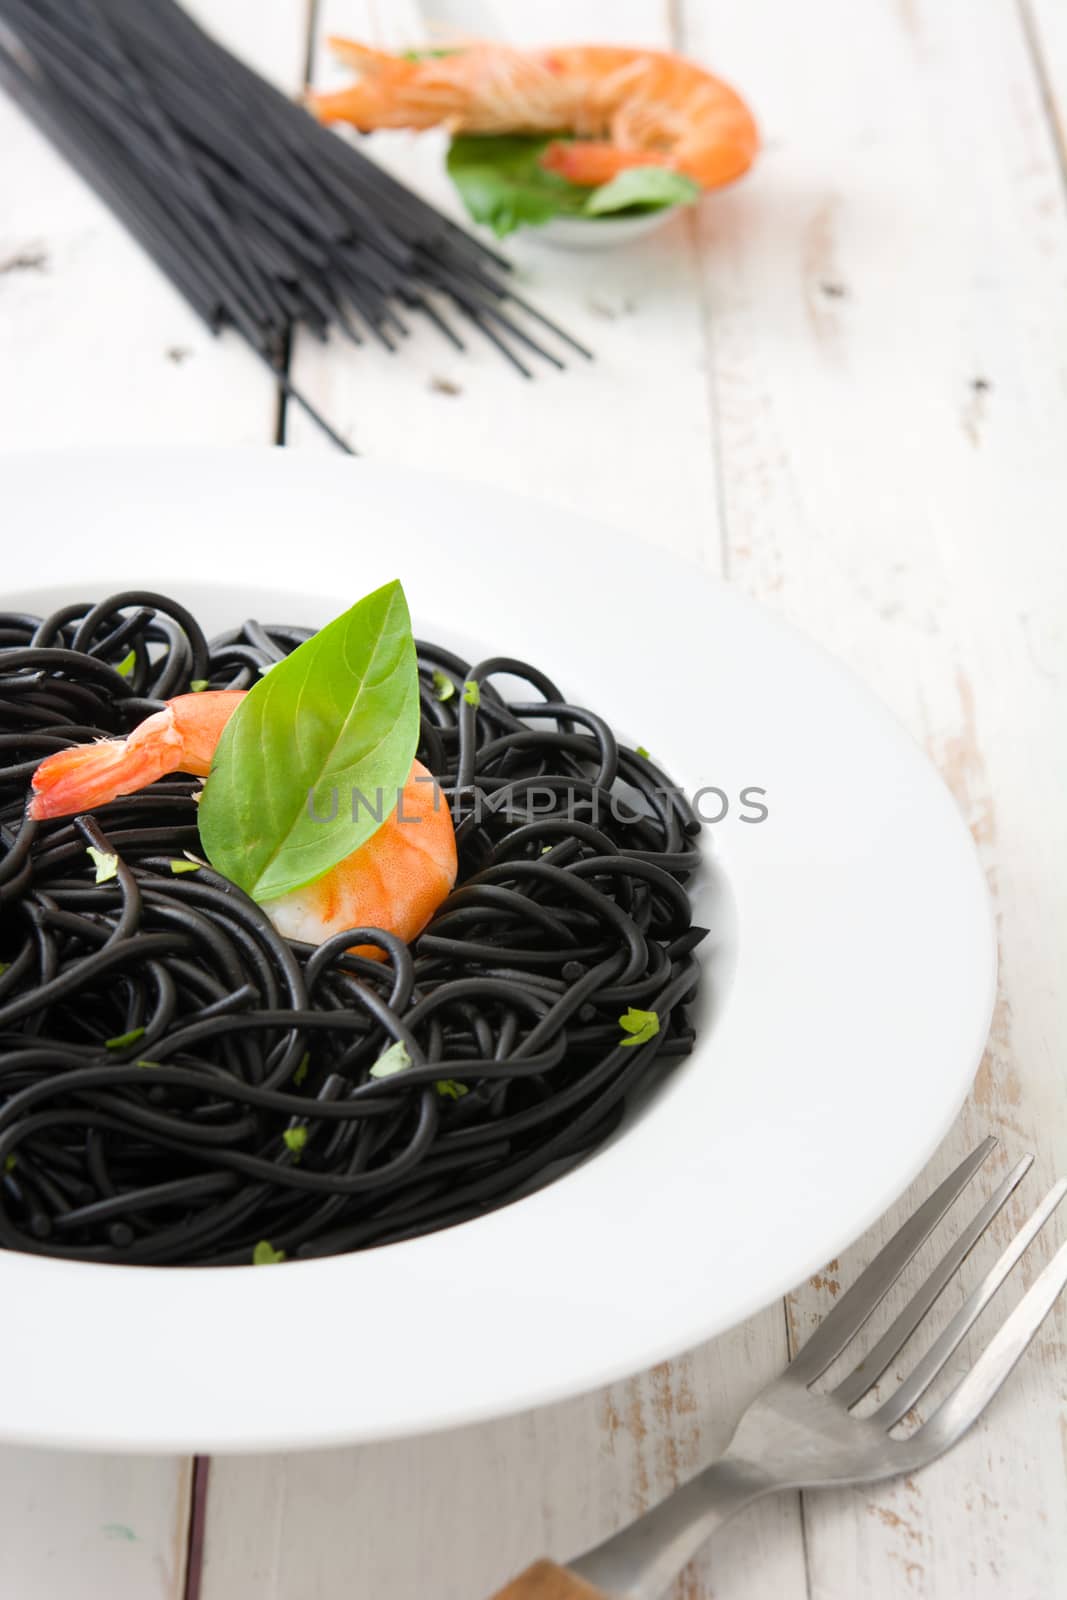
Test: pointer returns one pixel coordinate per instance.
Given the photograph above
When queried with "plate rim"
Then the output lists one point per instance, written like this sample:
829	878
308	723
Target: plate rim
212	460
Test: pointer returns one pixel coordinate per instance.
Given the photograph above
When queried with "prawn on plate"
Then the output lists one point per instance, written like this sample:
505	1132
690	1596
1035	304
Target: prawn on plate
395	880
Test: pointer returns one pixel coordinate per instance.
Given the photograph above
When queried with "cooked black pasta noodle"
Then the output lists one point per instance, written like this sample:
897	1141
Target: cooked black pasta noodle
159	1038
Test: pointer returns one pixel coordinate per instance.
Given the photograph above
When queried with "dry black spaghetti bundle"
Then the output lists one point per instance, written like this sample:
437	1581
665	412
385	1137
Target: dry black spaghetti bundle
262	219
179	1083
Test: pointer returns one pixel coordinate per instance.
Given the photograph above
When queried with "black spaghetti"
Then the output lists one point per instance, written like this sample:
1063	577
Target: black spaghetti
179	1083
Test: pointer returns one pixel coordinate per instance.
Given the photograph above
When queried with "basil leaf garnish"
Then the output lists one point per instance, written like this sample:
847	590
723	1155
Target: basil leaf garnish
337	718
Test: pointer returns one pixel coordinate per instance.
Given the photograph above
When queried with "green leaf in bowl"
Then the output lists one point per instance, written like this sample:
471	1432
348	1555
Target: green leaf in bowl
338	716
642	189
502	183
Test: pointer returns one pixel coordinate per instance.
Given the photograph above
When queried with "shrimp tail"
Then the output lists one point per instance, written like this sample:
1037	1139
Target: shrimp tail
180	738
361	56
360	105
371	101
90	775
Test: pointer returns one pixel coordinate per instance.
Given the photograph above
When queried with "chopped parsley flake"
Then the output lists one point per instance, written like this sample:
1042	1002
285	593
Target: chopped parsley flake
107	865
265	1255
198	685
11	1162
127	664
121	1040
302	1070
641	1025
443	687
185	866
395	1059
450	1089
295	1139
471	692
643	753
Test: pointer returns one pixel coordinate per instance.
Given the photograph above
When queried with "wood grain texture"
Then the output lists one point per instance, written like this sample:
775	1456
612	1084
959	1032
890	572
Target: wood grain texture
545	1581
1045	22
453	1516
77	1527
883	300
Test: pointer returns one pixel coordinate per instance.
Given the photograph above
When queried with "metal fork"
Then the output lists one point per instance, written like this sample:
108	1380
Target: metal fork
792	1438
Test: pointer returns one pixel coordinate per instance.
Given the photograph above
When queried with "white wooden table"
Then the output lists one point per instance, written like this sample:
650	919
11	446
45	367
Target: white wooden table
844	386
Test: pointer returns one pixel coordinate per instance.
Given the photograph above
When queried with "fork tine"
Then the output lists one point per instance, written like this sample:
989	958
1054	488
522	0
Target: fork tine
974	1392
871	1287
916	1384
870	1369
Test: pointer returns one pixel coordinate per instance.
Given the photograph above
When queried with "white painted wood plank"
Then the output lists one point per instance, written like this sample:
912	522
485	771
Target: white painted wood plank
76	1527
1046	26
889	318
450	1517
96	345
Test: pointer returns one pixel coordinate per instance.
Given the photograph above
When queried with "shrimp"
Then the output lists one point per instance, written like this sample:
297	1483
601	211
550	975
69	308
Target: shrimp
395	881
626	108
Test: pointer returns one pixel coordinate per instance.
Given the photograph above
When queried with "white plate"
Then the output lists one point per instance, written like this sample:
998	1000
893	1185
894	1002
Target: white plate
597	233
835	1062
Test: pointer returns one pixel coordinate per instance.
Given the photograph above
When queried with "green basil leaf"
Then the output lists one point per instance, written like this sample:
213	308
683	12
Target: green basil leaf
502	183
642	189
339	716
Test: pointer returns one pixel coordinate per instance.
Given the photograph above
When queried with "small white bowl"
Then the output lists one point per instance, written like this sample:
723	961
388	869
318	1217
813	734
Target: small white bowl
597	233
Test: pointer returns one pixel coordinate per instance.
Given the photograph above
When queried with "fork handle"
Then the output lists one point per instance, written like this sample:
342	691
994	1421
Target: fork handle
642	1561
545	1581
